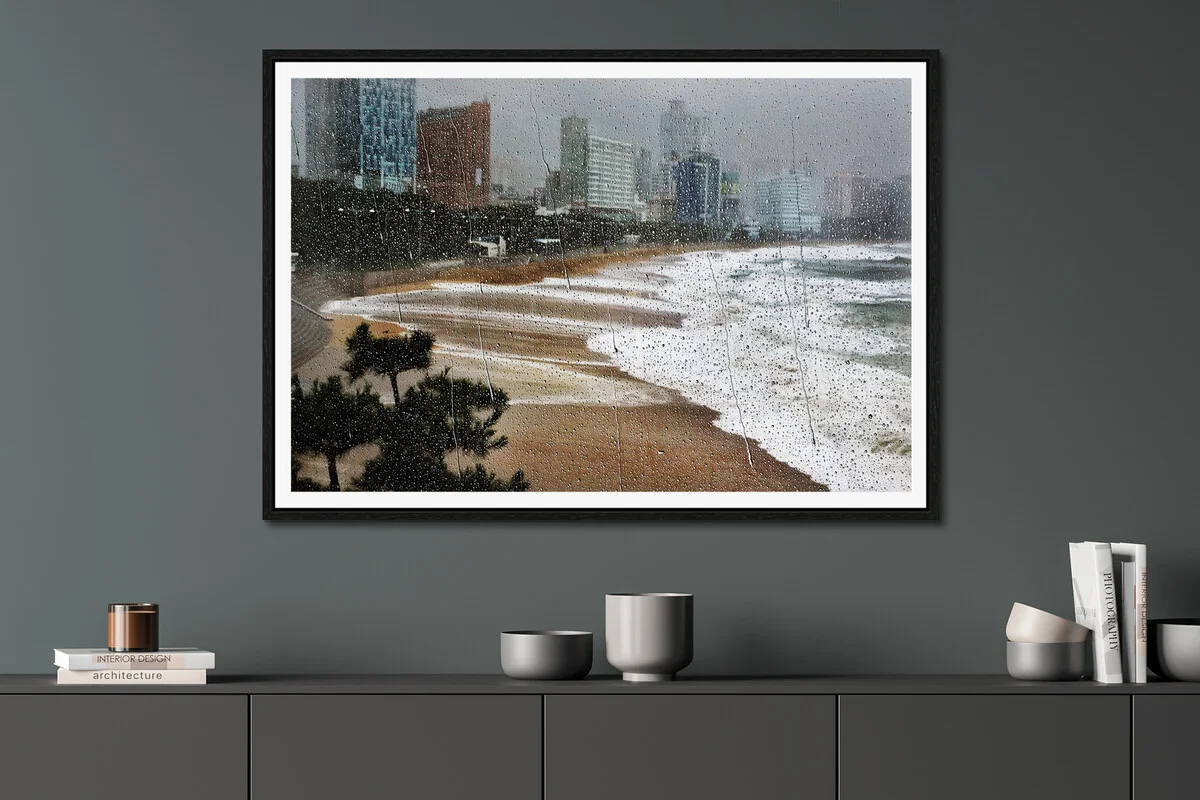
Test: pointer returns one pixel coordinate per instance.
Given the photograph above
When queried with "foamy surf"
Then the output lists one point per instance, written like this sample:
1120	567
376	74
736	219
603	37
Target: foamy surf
817	341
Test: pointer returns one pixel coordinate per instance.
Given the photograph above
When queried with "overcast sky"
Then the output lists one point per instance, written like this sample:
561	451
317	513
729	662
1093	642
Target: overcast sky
837	121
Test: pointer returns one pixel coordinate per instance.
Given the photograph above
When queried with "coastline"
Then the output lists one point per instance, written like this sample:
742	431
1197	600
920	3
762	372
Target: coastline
575	422
549	266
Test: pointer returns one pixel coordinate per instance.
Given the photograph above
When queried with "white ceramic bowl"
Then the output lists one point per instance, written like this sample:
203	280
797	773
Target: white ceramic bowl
1175	648
648	636
1032	625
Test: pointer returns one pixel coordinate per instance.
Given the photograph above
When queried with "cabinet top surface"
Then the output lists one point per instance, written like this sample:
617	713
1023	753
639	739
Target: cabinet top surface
498	684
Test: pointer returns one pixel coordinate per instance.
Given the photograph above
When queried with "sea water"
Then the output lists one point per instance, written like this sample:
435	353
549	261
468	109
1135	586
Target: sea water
805	350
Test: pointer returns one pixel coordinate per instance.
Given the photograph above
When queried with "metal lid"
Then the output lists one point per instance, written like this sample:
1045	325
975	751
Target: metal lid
134	608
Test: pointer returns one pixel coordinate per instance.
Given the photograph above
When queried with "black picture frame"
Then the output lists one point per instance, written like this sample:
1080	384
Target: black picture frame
932	509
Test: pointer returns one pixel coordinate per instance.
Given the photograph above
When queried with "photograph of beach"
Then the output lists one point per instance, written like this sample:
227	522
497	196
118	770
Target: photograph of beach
600	291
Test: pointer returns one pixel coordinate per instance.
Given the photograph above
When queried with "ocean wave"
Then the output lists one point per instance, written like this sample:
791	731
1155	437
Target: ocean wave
798	349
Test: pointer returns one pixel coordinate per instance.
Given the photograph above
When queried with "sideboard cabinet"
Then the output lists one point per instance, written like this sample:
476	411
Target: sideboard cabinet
468	738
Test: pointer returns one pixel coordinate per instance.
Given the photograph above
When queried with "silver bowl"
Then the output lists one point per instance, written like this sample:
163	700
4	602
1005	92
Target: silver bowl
1175	648
546	655
1056	661
648	636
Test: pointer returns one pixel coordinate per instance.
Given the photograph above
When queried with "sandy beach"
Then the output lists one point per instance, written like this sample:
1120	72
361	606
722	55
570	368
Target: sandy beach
576	422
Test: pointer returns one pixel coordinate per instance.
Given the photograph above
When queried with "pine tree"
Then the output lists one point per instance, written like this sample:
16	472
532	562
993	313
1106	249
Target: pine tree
439	417
330	421
386	355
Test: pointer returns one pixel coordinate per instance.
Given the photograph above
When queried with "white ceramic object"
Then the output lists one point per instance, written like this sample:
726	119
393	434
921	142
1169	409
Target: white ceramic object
648	636
1175	649
1032	625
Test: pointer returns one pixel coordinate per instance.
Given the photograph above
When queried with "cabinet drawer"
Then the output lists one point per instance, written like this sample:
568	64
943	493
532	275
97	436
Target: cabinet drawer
425	747
1166	741
113	747
951	747
690	747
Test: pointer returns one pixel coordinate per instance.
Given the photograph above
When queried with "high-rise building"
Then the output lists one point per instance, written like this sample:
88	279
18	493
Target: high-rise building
896	206
731	198
850	195
388	145
331	129
454	155
662	201
361	131
610	175
596	172
698	190
553	193
787	202
297	132
573	157
664	179
644	175
680	132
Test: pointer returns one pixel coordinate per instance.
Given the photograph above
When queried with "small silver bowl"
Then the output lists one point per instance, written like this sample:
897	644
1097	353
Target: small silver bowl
1175	648
1059	661
546	655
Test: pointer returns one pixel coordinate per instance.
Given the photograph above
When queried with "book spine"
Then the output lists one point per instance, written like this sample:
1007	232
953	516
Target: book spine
1096	605
1127	597
136	661
1130	563
102	677
1139	641
1143	606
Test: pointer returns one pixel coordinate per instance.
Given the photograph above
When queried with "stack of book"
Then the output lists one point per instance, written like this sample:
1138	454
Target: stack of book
1111	594
98	666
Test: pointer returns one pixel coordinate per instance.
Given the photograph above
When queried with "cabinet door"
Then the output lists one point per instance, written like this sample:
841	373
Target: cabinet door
1166	741
424	747
681	747
1047	747
113	747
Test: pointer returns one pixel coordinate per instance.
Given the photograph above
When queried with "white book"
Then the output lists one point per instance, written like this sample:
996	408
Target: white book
103	658
144	677
1129	563
1095	590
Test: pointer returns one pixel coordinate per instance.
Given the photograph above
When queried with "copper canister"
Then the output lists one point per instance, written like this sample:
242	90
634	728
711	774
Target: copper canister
132	627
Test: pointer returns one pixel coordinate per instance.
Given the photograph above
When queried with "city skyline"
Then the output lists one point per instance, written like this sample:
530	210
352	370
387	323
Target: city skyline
839	123
750	123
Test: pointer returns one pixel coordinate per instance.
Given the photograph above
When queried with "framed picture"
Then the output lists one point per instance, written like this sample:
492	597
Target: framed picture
565	284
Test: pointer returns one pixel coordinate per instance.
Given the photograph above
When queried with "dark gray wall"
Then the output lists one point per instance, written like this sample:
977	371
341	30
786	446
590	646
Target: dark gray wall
130	219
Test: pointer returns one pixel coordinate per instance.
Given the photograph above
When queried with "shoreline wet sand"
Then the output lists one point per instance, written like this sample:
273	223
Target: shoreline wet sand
575	422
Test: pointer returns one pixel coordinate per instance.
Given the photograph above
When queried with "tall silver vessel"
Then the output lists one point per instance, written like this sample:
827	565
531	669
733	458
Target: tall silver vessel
648	636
